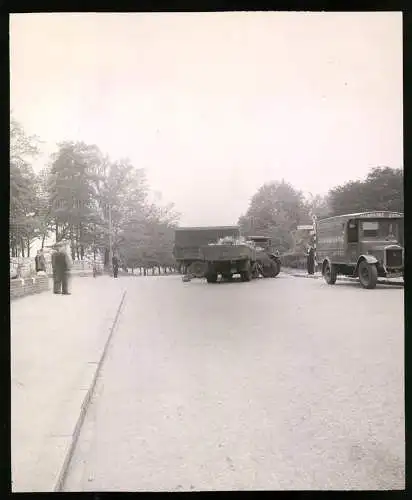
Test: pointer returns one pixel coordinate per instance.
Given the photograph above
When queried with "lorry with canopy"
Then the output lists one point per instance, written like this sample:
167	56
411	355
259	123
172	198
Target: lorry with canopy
366	245
222	251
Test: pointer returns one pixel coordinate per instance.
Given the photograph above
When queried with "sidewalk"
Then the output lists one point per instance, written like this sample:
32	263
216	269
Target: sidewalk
57	343
300	273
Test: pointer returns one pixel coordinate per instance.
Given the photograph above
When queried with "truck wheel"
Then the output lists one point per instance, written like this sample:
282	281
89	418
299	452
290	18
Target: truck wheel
255	271
211	278
330	274
197	269
271	271
368	275
246	275
227	276
266	271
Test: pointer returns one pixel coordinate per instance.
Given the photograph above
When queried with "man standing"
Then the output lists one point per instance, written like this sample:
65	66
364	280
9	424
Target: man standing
311	260
115	264
40	262
61	268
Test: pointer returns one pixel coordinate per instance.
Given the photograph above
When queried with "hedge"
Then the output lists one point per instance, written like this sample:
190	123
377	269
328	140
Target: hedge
296	260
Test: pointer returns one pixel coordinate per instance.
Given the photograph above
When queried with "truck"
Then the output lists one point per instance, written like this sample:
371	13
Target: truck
227	259
189	241
201	255
251	259
366	245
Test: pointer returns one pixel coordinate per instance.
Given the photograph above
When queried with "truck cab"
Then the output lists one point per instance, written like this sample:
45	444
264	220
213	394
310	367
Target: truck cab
267	256
366	245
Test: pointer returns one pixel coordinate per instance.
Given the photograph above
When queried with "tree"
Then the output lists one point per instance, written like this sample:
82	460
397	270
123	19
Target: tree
72	194
124	191
24	221
381	190
275	210
318	205
148	237
85	197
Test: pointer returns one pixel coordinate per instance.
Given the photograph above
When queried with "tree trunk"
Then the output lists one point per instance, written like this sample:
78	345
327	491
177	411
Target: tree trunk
72	247
28	247
22	248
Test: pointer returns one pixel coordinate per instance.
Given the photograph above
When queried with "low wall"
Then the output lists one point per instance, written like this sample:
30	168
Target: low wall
28	286
25	267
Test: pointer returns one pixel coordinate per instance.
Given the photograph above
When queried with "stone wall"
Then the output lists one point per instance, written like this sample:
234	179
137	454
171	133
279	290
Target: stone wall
28	286
25	267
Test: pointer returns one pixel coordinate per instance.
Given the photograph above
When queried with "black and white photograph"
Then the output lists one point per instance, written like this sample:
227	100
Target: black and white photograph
206	242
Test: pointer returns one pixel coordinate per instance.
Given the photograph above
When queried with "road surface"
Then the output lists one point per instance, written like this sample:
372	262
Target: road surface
282	383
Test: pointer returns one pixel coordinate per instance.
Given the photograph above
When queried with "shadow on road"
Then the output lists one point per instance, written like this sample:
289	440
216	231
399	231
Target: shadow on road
355	284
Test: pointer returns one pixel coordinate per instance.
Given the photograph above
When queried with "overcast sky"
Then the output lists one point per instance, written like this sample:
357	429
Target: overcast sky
213	105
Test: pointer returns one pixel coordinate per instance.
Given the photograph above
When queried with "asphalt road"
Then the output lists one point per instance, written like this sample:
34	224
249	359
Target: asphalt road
283	383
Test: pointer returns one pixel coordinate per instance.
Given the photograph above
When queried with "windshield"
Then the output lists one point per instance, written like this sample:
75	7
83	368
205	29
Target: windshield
382	229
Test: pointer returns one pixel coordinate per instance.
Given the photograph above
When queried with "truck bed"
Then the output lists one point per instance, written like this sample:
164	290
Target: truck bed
219	253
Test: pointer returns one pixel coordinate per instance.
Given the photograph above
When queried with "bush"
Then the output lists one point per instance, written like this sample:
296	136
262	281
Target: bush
296	260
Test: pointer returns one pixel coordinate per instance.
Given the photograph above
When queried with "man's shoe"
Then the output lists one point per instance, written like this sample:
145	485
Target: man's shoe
66	293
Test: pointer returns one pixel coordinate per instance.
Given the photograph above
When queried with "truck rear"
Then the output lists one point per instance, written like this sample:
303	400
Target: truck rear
190	240
228	259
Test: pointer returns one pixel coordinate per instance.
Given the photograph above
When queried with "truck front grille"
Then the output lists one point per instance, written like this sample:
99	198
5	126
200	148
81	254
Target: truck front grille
394	257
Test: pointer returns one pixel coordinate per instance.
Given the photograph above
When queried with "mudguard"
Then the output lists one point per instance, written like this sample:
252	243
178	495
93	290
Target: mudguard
326	261
370	259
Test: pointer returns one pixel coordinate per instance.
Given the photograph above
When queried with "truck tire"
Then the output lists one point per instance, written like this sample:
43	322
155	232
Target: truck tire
276	269
266	272
272	270
329	273
227	276
368	275
246	275
197	268
255	271
211	278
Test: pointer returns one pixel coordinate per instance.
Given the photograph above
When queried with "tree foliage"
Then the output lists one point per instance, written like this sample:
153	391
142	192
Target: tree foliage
24	218
275	210
318	205
381	190
79	196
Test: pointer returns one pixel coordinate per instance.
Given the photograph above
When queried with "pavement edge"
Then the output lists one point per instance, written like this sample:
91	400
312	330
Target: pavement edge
86	401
